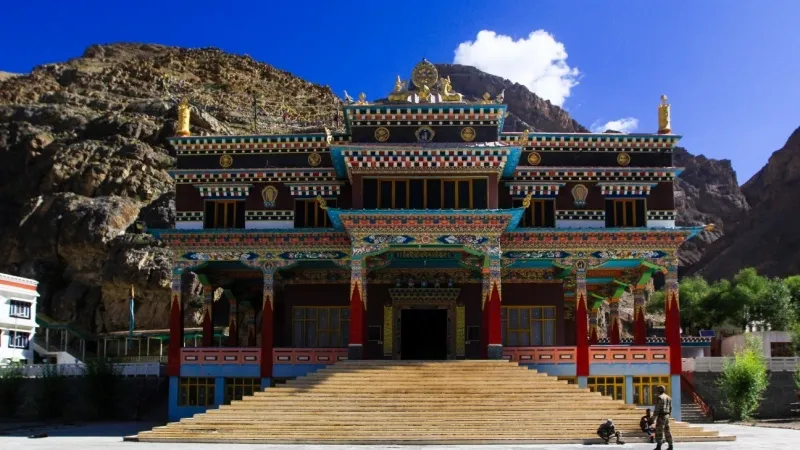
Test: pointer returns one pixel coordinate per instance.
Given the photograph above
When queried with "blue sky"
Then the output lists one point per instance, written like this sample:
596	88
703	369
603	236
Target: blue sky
730	68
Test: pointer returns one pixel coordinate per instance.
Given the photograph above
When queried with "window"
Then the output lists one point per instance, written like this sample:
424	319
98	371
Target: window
224	214
625	213
425	193
236	388
569	380
614	387
19	309
308	214
196	392
17	339
541	213
644	389
525	326
317	327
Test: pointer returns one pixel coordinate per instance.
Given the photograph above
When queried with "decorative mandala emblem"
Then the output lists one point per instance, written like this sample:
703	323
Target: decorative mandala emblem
534	158
579	193
425	134
623	159
225	161
382	134
314	159
424	74
468	134
269	194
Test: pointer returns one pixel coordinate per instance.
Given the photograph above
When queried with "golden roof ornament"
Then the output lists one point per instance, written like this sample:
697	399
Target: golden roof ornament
328	136
523	139
424	94
526	203
447	92
362	99
323	205
663	117
424	74
487	99
184	117
399	94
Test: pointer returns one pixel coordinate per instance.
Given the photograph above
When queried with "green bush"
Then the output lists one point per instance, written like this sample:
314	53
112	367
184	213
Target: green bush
744	380
102	381
796	378
52	398
10	386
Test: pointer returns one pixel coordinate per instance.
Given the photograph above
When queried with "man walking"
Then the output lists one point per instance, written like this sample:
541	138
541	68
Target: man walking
663	409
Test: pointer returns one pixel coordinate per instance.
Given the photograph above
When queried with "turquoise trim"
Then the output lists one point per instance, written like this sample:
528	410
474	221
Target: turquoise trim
338	162
675	384
619	369
514	153
629	389
583	382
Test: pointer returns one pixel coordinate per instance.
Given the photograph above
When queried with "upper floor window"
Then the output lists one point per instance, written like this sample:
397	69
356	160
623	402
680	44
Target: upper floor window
540	214
308	214
314	326
425	193
17	339
524	326
19	309
625	213
224	214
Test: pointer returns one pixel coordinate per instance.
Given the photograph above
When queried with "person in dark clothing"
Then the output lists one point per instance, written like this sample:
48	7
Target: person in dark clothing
607	430
646	424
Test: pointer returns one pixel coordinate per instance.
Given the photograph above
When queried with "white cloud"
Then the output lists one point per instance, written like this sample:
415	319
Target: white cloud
539	62
624	125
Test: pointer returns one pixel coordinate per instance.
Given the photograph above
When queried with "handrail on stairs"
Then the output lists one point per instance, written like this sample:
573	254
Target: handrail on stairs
686	387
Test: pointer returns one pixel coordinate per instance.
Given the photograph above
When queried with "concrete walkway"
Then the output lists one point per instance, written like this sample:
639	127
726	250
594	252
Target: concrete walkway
109	436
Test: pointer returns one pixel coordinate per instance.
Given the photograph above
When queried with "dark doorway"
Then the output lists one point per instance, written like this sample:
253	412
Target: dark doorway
424	334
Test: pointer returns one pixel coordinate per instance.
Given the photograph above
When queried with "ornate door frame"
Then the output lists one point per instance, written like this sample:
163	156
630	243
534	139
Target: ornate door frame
423	298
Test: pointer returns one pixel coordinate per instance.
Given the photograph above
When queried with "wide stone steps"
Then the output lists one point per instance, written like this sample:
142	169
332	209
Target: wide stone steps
388	402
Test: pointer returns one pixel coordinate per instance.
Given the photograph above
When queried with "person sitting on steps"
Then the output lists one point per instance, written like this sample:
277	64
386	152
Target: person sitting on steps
607	430
646	424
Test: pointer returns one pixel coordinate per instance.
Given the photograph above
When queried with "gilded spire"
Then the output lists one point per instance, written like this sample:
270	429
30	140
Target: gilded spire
663	117
184	116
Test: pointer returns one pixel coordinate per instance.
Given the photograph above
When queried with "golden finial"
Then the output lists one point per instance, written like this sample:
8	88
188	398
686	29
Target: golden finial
448	94
362	99
527	202
424	93
663	117
184	115
399	94
487	99
328	136
323	205
523	139
398	85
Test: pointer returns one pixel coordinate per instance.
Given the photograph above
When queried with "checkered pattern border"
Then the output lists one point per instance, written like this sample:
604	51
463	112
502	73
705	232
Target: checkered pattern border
580	214
661	215
593	142
542	174
283	214
416	159
313	190
276	144
415	116
537	189
224	191
239	176
625	190
188	216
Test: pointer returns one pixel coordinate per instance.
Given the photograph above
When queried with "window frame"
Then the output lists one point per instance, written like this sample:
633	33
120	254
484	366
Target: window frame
23	305
211	223
344	337
425	181
529	216
651	382
620	205
615	382
505	318
246	386
15	336
319	213
206	385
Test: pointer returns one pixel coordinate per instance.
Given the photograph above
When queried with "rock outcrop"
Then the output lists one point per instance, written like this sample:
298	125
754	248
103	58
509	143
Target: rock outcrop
767	237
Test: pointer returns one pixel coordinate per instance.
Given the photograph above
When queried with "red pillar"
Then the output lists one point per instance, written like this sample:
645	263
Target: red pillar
674	335
356	345
581	339
639	324
175	329
208	323
493	321
266	326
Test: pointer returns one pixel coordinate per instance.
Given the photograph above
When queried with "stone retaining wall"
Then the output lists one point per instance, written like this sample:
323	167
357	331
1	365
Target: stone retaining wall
778	398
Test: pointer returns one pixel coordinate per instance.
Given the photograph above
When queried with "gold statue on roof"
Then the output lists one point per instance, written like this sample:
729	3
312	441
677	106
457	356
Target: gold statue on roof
399	94
487	99
447	92
523	139
184	117
424	74
328	136
424	94
362	99
663	117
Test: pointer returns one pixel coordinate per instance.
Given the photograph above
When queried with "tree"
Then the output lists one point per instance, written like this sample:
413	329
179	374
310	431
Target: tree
694	292
744	380
774	306
793	284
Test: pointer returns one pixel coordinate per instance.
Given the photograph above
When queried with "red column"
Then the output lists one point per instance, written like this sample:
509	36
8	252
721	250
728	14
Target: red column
356	345
208	323
493	321
175	328
266	325
581	339
673	319
639	323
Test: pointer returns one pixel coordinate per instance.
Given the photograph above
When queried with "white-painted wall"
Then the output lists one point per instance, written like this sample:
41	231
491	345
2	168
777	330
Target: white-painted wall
190	225
9	323
661	224
268	224
580	223
732	343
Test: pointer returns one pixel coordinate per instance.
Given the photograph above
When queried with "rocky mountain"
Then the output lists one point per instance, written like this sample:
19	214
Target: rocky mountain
767	236
85	161
83	145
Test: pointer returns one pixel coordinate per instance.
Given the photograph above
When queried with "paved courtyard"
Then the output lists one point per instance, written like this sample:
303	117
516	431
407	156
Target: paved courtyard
108	436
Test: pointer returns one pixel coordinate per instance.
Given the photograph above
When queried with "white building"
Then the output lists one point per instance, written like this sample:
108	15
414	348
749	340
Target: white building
17	318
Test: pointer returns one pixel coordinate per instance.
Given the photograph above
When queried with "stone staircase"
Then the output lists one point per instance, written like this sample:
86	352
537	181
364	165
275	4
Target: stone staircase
692	413
410	402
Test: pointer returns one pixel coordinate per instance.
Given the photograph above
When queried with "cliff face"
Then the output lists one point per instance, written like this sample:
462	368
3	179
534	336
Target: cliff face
767	237
83	145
